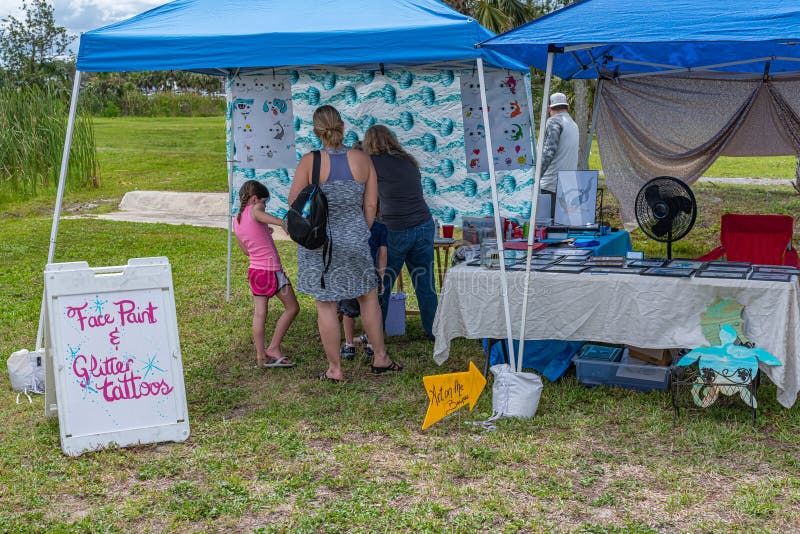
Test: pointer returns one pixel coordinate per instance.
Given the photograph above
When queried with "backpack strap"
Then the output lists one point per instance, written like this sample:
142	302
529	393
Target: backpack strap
315	167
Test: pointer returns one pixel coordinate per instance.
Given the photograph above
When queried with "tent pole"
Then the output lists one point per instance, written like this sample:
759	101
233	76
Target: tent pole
62	178
594	121
229	99
534	201
496	207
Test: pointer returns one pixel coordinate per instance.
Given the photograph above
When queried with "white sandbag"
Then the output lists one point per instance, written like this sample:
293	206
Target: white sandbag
515	394
26	371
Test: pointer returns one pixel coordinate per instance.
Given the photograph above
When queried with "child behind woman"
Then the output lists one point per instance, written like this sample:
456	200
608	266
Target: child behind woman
350	308
265	273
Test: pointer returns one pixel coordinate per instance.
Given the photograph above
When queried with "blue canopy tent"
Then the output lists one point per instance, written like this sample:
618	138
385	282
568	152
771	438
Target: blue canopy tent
223	37
619	39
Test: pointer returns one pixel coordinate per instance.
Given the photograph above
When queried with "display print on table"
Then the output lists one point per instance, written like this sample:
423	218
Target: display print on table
730	364
648	262
733	275
771	277
576	198
509	120
116	366
684	264
447	393
665	271
262	121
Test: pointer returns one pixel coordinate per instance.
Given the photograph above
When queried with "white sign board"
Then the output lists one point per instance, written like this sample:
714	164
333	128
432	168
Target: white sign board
113	355
576	198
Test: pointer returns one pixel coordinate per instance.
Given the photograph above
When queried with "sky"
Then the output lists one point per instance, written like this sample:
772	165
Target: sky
81	15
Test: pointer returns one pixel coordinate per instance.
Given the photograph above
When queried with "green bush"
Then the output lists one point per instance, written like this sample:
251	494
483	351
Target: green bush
137	104
33	123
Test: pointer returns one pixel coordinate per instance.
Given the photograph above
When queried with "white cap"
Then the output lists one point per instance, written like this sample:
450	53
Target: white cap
558	99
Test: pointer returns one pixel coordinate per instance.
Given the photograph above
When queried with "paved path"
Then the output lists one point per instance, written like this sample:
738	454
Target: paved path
211	209
169	207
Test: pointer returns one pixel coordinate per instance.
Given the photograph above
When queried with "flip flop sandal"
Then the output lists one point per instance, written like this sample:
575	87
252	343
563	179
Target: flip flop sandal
325	378
394	366
283	361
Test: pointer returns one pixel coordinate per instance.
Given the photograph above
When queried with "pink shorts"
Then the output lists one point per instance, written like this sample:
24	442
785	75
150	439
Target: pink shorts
265	283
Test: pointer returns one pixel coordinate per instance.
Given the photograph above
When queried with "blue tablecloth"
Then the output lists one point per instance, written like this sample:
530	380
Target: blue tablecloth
549	356
613	244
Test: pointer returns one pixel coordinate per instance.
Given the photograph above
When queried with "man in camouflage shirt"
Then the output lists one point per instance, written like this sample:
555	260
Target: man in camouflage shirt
560	147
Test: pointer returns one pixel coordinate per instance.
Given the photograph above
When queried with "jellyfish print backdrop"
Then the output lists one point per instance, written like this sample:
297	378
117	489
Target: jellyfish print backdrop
423	108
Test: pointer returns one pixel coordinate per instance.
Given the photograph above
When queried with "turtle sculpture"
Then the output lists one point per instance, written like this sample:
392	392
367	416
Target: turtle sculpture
731	362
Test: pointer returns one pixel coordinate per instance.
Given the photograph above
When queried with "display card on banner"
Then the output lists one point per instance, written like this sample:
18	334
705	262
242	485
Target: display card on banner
509	120
113	355
263	122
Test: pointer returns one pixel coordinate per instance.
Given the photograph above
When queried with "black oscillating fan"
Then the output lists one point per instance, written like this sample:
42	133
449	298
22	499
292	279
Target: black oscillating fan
666	210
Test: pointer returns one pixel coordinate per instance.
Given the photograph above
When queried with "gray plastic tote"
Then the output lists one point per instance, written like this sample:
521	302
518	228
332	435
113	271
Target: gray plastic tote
515	394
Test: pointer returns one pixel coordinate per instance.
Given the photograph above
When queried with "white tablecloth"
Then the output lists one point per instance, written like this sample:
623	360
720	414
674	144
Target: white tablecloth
644	311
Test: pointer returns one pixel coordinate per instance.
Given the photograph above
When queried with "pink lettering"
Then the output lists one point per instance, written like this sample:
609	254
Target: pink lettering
92	321
119	379
129	313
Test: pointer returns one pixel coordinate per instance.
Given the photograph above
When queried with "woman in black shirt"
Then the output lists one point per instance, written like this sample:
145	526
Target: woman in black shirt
408	219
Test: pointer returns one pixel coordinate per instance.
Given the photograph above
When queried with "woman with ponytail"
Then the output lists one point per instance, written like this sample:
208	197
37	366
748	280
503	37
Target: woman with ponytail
348	180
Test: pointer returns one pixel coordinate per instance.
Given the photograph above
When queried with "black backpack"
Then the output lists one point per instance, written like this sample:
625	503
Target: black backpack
307	219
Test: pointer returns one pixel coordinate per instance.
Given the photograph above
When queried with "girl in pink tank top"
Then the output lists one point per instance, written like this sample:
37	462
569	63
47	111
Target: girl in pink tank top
265	273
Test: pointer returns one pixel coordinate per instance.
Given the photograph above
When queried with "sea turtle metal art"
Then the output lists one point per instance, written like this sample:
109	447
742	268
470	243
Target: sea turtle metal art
731	362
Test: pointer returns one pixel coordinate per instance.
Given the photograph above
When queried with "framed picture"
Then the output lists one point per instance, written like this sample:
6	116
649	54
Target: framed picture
576	252
606	261
772	277
549	257
684	264
652	262
730	263
560	268
726	268
615	270
666	271
572	260
787	269
707	273
576	198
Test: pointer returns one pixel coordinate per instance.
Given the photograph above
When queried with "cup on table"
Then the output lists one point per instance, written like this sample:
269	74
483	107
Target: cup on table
447	231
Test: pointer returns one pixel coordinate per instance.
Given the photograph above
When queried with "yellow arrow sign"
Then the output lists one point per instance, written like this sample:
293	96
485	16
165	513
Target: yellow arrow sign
447	393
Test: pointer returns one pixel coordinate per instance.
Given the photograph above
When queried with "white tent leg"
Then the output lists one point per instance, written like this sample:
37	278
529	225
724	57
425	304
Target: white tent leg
228	100
594	121
62	178
534	201
496	206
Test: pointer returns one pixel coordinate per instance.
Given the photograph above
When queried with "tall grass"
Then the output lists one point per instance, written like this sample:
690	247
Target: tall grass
33	123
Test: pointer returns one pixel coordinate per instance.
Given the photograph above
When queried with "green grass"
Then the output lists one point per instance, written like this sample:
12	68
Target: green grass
739	167
277	451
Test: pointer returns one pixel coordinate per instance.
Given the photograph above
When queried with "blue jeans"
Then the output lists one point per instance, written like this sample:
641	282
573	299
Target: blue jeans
414	247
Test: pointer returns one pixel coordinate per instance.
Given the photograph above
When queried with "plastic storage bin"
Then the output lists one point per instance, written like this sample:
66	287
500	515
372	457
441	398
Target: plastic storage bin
624	374
396	315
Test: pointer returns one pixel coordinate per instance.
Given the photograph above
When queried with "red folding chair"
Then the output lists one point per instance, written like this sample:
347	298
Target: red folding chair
761	239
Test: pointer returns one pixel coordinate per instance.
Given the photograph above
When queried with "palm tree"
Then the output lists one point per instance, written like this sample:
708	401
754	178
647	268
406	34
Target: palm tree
497	15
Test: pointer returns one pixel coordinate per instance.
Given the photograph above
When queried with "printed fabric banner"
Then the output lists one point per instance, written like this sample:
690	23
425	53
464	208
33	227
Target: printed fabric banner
423	107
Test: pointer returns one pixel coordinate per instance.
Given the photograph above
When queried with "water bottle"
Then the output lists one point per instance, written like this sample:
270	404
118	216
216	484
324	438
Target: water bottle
307	206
